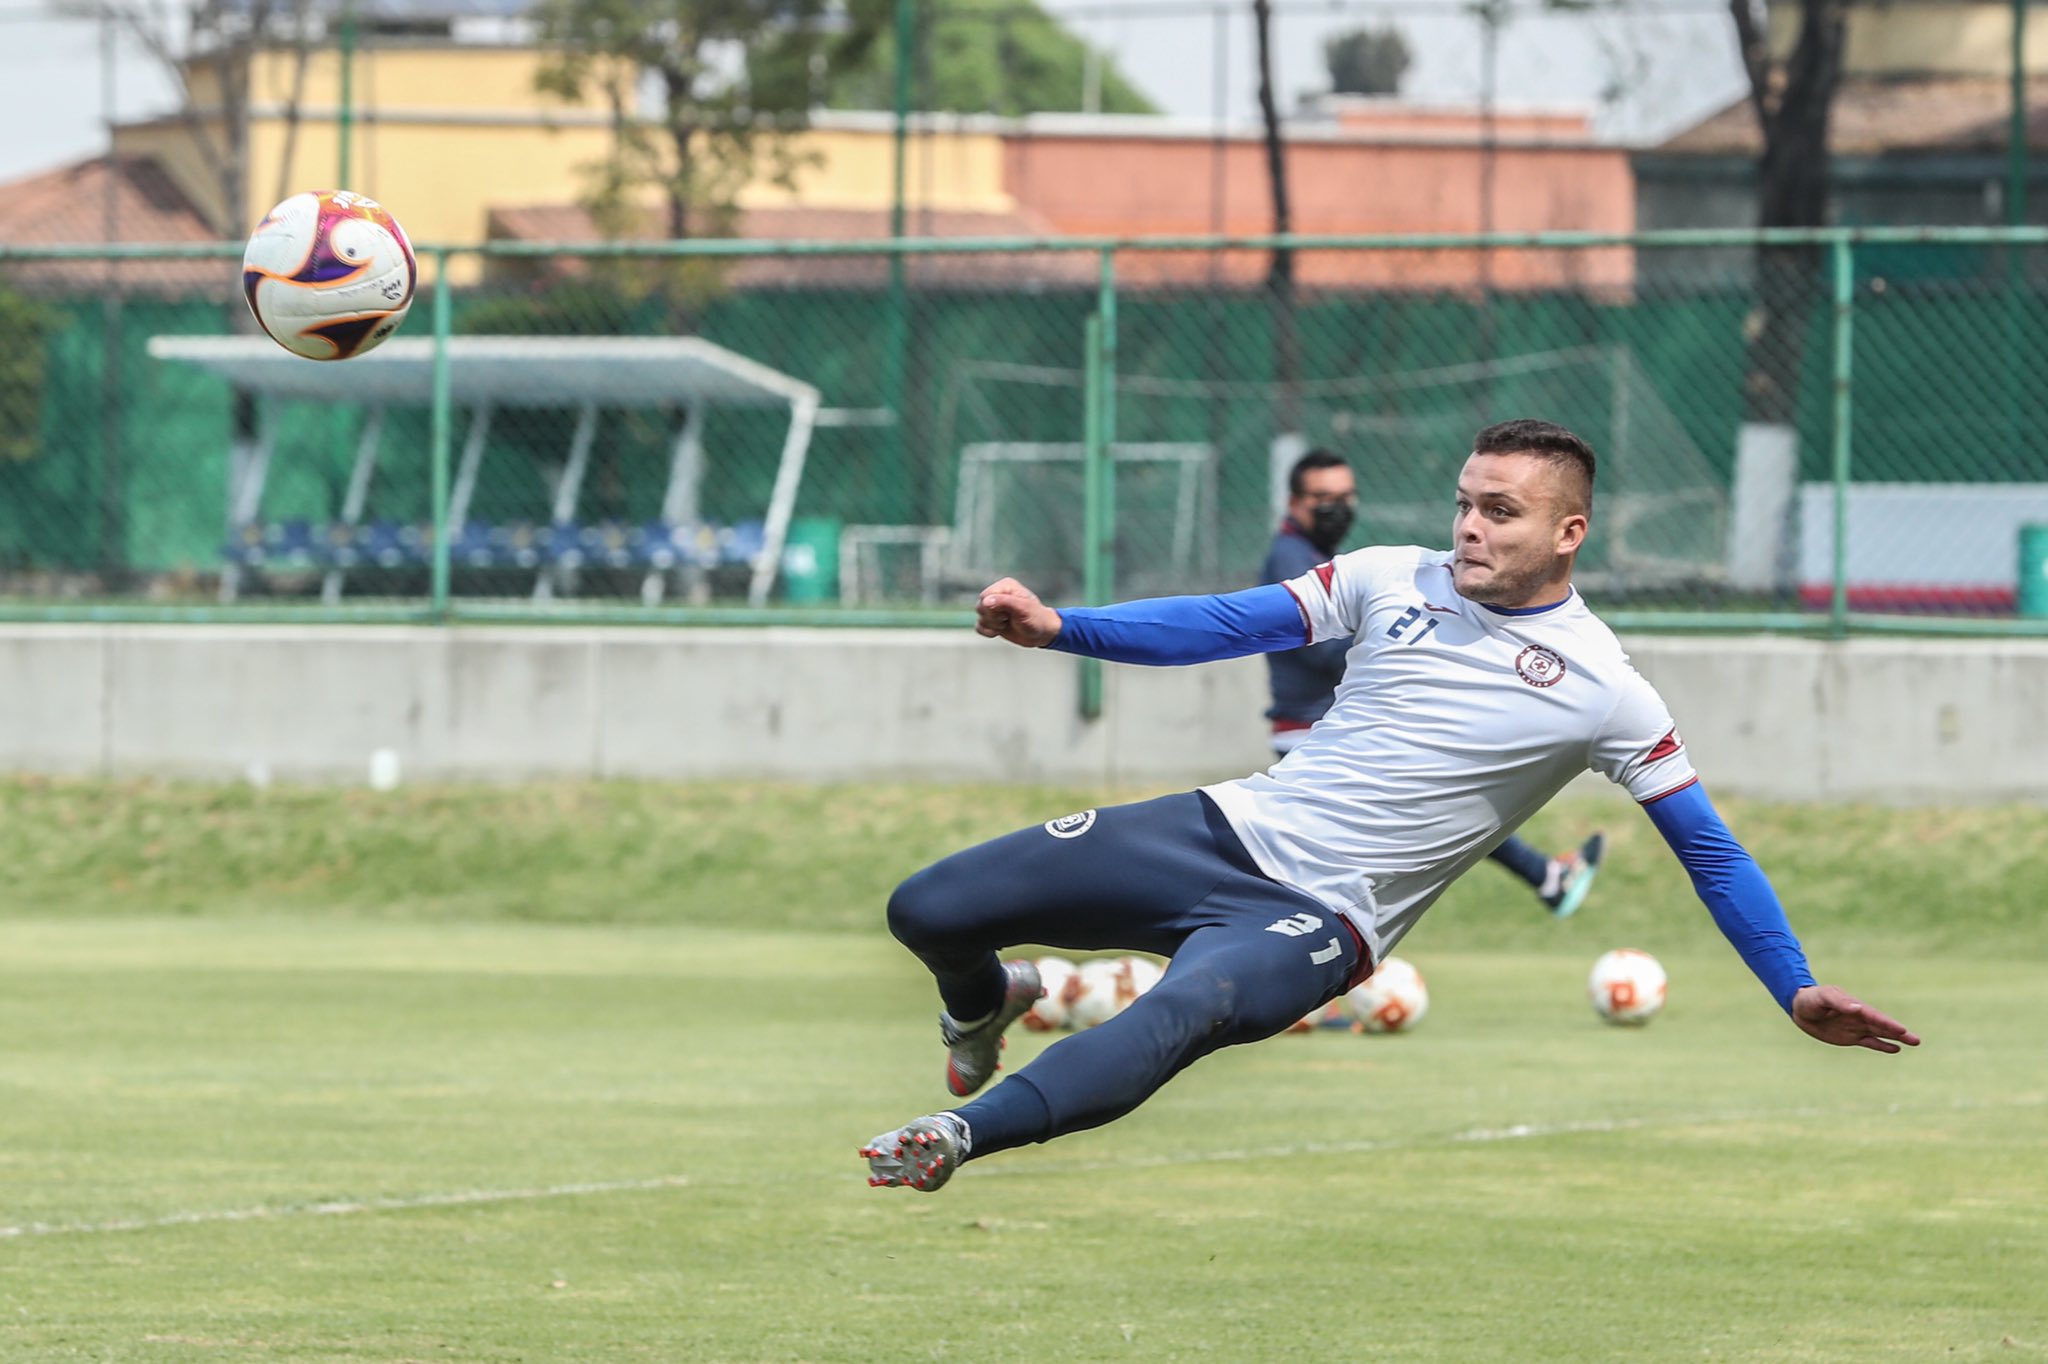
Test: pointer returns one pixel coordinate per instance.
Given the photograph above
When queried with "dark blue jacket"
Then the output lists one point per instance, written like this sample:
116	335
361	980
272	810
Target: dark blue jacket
1303	680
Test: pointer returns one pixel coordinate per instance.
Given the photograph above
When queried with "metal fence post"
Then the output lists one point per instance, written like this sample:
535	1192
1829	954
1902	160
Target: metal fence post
1098	470
1091	501
1104	545
441	428
1845	326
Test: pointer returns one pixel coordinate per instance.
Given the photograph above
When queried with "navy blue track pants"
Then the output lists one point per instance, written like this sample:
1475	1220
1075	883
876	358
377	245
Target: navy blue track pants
1249	956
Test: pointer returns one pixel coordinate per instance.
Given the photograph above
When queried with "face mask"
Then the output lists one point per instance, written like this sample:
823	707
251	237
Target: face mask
1329	523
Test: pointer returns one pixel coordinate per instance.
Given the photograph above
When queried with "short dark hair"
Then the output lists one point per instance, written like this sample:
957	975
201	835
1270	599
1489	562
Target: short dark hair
1318	458
1548	442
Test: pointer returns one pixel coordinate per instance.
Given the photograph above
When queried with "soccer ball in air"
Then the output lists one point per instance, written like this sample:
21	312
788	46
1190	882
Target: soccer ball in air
1049	1014
329	274
1626	986
1392	999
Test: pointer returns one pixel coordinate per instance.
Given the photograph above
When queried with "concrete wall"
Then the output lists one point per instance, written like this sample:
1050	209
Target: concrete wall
1901	721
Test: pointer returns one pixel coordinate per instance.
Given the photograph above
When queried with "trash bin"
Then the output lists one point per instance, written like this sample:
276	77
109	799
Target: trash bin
810	560
2033	594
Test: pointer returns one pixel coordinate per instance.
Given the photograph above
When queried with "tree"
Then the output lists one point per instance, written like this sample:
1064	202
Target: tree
1002	57
1792	99
731	81
1366	61
209	48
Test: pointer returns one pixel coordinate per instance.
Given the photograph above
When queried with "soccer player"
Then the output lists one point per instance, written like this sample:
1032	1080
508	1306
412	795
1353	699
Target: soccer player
1322	500
1479	683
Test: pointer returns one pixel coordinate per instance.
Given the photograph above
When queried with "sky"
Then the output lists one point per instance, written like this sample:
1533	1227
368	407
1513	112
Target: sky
1642	75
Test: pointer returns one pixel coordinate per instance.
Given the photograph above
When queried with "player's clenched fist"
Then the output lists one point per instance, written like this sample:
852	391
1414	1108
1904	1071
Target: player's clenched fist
1010	610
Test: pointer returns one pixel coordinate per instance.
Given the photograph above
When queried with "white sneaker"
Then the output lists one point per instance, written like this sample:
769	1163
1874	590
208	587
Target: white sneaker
973	1054
921	1154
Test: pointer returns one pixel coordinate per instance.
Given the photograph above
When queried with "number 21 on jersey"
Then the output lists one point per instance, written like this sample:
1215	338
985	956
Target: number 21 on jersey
1408	618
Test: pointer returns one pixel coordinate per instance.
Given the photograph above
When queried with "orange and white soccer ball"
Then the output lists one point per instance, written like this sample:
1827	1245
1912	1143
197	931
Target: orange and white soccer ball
1627	986
1394	998
1103	988
329	274
1049	1014
1140	975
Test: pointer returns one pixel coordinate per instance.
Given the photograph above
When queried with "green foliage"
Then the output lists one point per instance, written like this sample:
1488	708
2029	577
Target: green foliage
1366	61
716	128
24	328
988	57
595	306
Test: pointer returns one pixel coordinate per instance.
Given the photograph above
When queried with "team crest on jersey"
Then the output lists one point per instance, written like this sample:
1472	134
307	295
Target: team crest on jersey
1538	666
1071	826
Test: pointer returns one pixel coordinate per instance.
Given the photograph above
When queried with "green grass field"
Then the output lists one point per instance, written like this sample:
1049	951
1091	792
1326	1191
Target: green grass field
577	1074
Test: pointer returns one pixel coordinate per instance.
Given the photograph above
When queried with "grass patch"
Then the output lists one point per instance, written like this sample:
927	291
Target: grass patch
576	1072
824	859
371	1140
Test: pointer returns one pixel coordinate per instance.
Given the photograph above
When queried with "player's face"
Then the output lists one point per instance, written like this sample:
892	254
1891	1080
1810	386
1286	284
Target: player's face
1513	539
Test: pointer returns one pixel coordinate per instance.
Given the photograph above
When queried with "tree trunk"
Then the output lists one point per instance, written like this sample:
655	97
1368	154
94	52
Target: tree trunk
1280	268
1793	107
1792	104
1280	271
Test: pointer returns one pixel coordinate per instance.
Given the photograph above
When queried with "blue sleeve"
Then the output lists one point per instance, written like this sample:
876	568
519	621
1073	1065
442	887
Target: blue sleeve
1734	889
1163	630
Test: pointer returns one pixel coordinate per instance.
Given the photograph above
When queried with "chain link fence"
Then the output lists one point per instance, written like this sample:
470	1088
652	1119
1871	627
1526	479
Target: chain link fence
1835	435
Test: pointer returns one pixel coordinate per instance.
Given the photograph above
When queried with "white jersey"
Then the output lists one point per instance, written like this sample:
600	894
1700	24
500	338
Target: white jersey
1453	724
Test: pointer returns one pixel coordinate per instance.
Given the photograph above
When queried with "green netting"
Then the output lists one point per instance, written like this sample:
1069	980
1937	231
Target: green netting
960	454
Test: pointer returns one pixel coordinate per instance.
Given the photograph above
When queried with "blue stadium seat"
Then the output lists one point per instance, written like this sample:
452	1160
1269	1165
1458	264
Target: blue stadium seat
291	543
273	544
664	545
340	545
741	543
562	545
474	546
611	544
388	544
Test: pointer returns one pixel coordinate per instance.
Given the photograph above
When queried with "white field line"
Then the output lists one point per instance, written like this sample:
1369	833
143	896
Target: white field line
345	1207
1468	1136
1512	1132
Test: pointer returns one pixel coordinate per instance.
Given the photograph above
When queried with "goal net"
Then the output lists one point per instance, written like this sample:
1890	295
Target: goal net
1018	511
1661	512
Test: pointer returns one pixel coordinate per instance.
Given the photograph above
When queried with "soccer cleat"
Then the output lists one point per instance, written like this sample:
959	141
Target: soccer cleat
973	1053
1576	881
921	1154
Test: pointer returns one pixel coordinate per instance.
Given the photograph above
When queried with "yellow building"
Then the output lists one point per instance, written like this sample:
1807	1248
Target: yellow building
446	132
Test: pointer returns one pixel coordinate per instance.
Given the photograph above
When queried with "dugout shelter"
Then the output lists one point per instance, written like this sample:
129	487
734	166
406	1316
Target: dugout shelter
491	374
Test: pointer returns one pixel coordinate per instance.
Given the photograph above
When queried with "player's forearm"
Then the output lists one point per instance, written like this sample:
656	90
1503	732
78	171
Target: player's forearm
1171	630
1735	891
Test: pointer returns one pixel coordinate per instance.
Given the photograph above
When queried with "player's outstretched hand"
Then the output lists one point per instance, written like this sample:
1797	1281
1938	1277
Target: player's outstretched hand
1010	610
1835	1016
